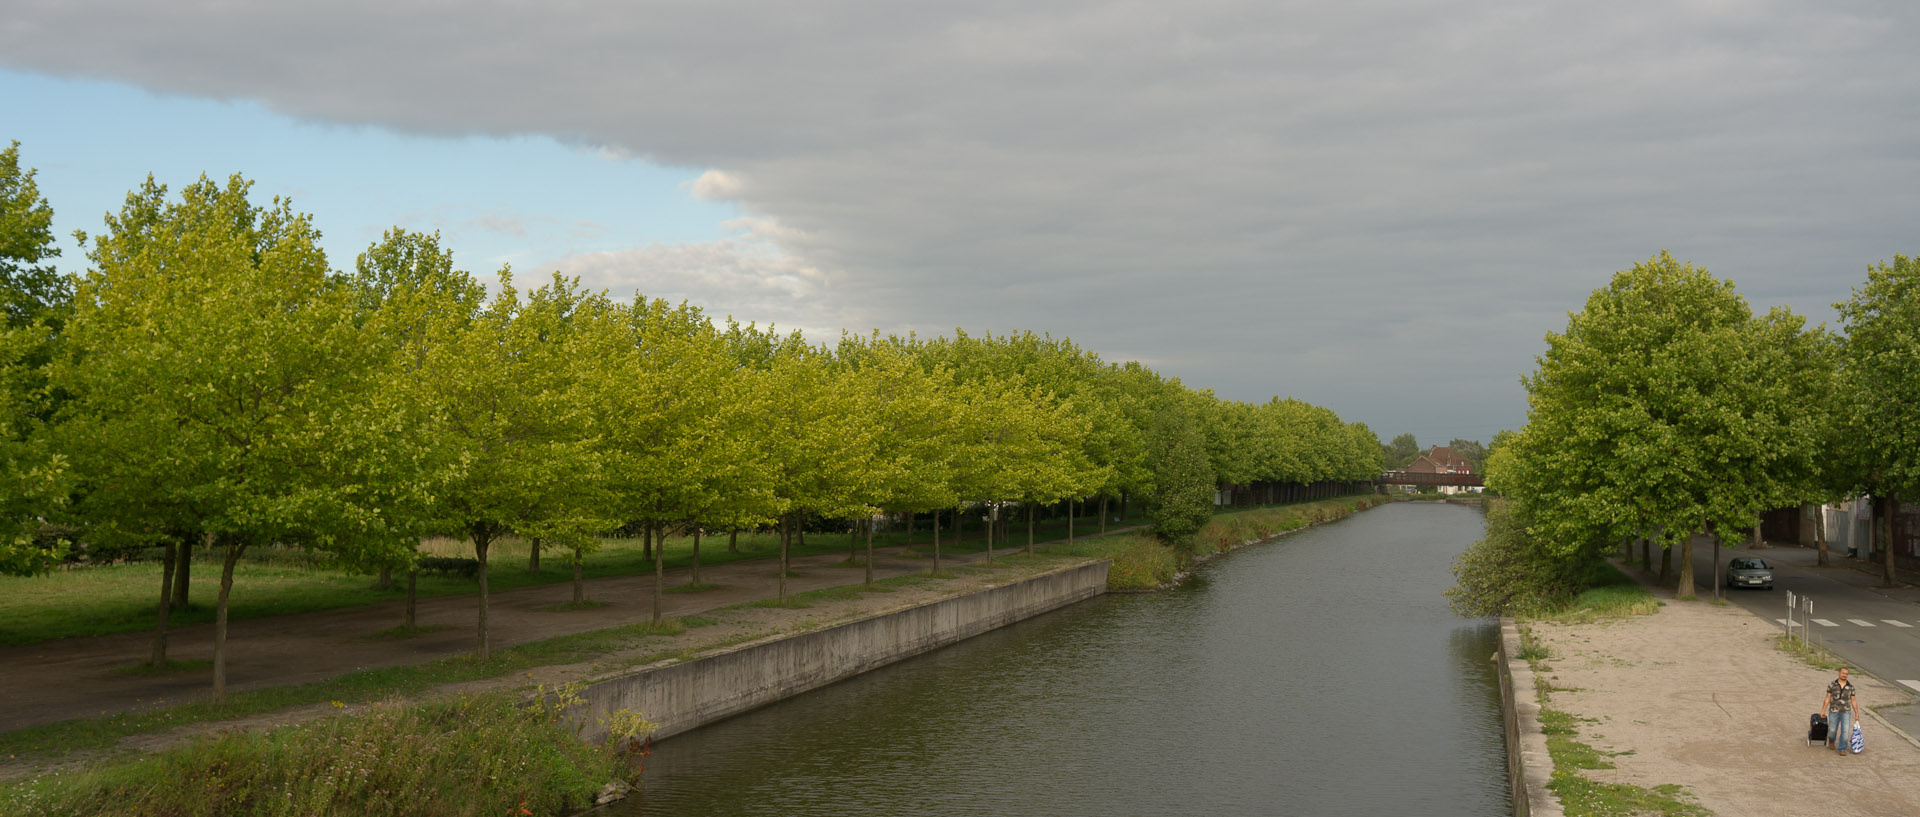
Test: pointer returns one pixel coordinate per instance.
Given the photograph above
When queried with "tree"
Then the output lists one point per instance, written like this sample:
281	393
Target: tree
1881	383
30	289
1401	452
508	425
35	481
1664	406
211	354
1181	500
1472	451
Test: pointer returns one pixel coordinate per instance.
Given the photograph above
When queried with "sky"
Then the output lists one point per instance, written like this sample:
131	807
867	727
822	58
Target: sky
1380	207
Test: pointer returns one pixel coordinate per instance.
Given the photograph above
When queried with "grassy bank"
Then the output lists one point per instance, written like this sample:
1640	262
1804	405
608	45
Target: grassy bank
487	754
1141	562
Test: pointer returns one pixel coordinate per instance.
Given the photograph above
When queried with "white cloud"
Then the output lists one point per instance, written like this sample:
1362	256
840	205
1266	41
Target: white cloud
752	275
716	185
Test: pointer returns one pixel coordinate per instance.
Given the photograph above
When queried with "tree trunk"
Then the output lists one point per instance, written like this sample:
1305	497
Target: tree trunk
733	540
579	586
482	540
1626	549
533	555
1893	507
1820	534
853	542
168	553
646	541
385	582
234	547
413	578
935	570
1759	541
1103	514
1717	585
869	551
910	517
1030	528
1070	509
1123	504
785	534
799	534
696	556
659	575
1684	590
183	573
989	526
1666	563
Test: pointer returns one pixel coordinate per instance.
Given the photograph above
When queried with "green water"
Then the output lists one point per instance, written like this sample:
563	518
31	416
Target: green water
1319	674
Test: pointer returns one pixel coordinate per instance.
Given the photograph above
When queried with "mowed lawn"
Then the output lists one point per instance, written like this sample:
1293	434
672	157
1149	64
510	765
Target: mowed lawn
118	598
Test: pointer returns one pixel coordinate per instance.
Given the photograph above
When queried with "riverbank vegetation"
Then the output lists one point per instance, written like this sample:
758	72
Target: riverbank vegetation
211	386
1145	562
493	753
1668	409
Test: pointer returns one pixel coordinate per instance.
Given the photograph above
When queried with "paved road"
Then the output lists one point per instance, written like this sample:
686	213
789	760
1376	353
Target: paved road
1875	628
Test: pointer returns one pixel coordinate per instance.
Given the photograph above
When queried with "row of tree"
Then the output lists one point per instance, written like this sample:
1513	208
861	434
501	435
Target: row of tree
209	378
1667	408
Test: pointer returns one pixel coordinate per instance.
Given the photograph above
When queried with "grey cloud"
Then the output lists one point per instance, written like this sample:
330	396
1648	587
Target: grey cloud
1380	207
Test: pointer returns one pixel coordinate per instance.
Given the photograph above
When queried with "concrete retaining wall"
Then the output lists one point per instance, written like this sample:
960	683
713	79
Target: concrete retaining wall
684	696
1529	767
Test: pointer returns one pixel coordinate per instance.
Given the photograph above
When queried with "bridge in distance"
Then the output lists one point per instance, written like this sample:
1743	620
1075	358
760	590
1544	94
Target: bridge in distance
1427	478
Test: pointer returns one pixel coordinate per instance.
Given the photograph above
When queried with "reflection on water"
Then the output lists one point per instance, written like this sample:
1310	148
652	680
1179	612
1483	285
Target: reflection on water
1320	674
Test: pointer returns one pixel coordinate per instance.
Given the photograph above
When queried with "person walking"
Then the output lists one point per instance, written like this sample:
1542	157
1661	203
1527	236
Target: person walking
1842	711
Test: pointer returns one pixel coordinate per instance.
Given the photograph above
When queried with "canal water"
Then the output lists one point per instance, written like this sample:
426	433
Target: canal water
1317	674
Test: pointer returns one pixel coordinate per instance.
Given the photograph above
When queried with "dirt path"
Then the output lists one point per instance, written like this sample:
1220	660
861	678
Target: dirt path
1698	695
72	678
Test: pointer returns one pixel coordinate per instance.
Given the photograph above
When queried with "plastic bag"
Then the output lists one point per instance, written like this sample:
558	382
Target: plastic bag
1859	739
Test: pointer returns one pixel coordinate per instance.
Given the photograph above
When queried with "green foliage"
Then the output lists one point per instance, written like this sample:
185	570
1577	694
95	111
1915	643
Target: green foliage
1510	573
1146	563
1401	452
1665	406
1880	380
30	289
485	754
1183	486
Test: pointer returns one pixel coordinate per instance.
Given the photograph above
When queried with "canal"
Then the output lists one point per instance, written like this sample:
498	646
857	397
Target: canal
1318	674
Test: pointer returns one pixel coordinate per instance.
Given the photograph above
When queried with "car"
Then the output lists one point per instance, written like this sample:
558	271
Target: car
1748	571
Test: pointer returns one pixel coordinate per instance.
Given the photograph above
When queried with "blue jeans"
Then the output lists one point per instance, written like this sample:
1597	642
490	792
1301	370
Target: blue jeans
1840	730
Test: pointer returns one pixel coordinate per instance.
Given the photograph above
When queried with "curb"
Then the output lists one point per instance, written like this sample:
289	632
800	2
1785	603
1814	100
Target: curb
1529	766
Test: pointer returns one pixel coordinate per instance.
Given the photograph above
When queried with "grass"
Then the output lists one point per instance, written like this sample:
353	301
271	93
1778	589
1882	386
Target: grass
1813	655
1612	595
485	754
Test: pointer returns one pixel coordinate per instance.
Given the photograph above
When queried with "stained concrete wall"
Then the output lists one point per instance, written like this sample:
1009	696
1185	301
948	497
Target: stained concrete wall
1529	767
684	696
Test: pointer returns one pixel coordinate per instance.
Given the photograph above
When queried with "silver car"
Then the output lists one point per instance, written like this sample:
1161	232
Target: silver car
1748	571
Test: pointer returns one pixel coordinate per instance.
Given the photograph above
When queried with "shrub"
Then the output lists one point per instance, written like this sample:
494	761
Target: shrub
485	754
1508	573
1145	564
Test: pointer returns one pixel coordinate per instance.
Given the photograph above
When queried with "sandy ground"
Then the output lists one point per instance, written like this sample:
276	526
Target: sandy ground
1699	696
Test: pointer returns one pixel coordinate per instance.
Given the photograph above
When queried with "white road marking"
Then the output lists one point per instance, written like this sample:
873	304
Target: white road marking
1914	684
1824	623
1783	622
1861	622
1896	622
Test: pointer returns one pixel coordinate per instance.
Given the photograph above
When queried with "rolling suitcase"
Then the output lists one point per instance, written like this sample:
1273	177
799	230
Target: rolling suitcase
1817	729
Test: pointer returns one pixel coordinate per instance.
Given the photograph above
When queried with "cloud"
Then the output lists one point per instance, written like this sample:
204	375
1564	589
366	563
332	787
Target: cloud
748	275
1360	204
716	185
